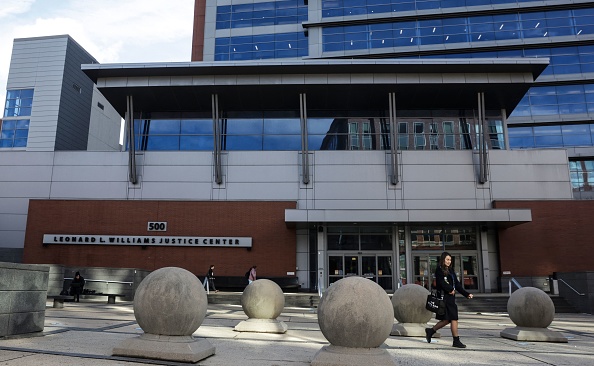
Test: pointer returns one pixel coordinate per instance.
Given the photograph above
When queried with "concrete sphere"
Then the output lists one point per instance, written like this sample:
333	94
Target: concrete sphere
263	299
355	312
409	304
531	307
170	301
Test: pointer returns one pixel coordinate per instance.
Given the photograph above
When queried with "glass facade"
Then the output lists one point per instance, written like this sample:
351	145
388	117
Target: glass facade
278	131
14	129
477	29
261	14
582	175
261	46
552	135
334	8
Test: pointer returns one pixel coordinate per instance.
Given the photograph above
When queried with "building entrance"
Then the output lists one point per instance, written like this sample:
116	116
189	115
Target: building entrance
376	267
464	264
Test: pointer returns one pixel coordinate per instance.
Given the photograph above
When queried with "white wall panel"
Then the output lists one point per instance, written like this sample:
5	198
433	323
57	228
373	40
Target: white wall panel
344	204
89	190
263	174
9	222
12	238
442	204
532	190
176	191
81	173
264	191
177	173
26	189
351	190
24	173
16	206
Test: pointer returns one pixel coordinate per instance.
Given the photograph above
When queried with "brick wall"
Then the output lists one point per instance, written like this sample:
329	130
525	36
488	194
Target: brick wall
559	238
273	244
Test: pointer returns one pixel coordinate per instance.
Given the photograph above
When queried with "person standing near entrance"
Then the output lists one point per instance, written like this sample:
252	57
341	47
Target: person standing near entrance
252	276
76	286
447	283
210	278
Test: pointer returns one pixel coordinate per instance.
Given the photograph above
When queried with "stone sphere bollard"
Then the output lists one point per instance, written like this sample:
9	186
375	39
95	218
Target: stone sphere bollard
170	301
409	304
531	307
263	299
532	310
355	312
169	305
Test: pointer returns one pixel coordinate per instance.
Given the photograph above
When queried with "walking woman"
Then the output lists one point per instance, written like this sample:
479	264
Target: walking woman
210	278
448	284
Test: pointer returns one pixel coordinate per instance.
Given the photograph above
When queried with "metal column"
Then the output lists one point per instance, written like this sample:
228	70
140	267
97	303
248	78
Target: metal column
393	138
217	139
304	145
131	140
482	138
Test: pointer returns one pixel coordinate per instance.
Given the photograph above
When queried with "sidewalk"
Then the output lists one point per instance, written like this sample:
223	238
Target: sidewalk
85	333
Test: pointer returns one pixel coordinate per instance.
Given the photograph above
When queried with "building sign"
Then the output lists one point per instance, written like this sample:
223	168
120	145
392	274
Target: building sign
156	226
179	241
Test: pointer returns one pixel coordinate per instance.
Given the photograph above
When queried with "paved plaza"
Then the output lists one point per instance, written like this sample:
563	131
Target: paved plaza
85	333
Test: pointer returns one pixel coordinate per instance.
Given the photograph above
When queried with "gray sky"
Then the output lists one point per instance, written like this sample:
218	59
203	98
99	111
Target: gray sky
110	30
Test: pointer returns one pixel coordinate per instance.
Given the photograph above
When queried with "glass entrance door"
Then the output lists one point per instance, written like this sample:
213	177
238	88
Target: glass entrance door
377	268
464	265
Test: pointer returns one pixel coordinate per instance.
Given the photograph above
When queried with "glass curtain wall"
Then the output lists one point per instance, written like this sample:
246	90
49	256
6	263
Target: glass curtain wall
277	131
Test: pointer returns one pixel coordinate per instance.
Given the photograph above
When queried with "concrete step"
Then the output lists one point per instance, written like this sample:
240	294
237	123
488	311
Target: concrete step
301	300
481	303
498	304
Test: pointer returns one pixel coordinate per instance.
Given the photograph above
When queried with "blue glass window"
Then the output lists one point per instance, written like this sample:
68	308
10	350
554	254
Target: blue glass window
261	14
470	29
263	46
14	133
18	103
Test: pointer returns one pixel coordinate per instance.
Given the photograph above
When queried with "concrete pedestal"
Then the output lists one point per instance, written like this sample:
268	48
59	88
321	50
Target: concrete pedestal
170	348
352	356
533	334
261	326
411	330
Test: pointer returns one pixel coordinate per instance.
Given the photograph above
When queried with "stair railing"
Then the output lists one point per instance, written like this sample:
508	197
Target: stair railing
513	281
568	285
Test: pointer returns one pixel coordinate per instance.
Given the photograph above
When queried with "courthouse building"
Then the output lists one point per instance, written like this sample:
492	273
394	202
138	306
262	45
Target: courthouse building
318	139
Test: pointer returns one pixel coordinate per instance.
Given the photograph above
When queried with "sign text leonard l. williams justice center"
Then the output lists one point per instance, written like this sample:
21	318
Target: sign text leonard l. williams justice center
190	241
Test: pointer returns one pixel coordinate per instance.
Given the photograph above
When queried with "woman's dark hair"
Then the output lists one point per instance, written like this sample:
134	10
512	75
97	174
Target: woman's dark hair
212	265
444	268
77	274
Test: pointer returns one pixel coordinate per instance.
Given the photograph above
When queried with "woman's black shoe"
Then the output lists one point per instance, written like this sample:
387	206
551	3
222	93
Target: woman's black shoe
457	343
429	332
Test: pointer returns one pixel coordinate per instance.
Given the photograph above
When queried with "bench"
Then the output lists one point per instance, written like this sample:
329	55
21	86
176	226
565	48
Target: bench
59	300
110	297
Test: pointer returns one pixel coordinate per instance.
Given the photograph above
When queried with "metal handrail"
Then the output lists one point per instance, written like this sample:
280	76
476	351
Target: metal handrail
568	285
103	281
513	280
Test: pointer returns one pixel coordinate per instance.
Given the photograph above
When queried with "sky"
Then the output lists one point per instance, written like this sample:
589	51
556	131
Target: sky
112	31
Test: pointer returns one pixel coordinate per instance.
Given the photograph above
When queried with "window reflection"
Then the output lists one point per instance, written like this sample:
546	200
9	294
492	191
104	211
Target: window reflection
281	131
468	29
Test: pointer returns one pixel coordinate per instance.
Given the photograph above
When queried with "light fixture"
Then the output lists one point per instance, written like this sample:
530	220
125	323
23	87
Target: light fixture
537	24
544	35
501	27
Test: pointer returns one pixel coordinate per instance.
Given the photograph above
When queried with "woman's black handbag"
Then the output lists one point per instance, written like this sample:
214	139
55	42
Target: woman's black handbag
435	303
